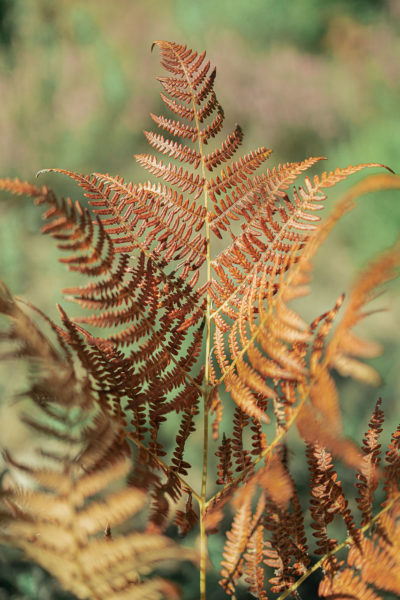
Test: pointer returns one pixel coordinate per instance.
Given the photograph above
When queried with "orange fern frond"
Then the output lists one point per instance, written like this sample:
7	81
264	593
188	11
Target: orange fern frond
253	569
345	345
346	584
237	539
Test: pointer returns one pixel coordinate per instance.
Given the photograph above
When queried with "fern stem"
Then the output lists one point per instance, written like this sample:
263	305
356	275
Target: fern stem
203	503
348	541
206	395
206	392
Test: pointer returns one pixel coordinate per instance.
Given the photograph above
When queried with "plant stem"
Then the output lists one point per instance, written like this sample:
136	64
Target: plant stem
202	505
206	393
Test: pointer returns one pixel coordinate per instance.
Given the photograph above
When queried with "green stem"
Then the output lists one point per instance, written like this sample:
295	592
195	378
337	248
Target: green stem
202	505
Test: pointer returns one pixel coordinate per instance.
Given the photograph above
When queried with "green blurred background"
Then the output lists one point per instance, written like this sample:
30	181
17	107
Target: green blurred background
303	77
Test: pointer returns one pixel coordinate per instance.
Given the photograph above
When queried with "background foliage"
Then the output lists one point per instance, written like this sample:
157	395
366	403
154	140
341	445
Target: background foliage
311	77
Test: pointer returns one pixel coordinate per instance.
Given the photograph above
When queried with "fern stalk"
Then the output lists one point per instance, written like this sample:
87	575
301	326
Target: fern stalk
206	392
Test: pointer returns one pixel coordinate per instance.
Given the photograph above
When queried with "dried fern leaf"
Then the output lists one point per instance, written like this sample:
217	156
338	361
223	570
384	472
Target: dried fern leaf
344	344
237	538
368	475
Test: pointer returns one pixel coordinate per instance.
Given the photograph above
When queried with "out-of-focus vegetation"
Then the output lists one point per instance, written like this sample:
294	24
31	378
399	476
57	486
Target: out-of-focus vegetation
310	77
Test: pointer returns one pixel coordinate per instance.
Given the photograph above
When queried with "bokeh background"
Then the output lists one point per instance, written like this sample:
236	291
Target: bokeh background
303	77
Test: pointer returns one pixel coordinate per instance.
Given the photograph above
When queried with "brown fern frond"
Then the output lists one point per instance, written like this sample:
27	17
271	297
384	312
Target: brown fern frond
368	476
286	550
255	200
333	177
186	428
170	173
287	543
176	128
173	149
283	227
392	467
224	467
373	563
214	507
327	500
237	172
269	342
240	454
183	88
128	211
186	112
179	129
138	290
187	519
189	90
226	150
57	375
278	553
182	62
177	204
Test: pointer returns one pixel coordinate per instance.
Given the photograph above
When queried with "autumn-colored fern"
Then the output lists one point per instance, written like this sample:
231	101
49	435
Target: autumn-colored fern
186	298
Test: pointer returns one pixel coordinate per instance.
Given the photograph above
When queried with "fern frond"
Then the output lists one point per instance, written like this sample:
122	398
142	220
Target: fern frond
254	570
138	290
345	345
187	519
255	200
237	539
378	558
368	476
226	150
327	500
392	467
371	564
224	454
346	584
173	149
314	429
237	172
273	358
170	173
81	493
186	428
23	188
